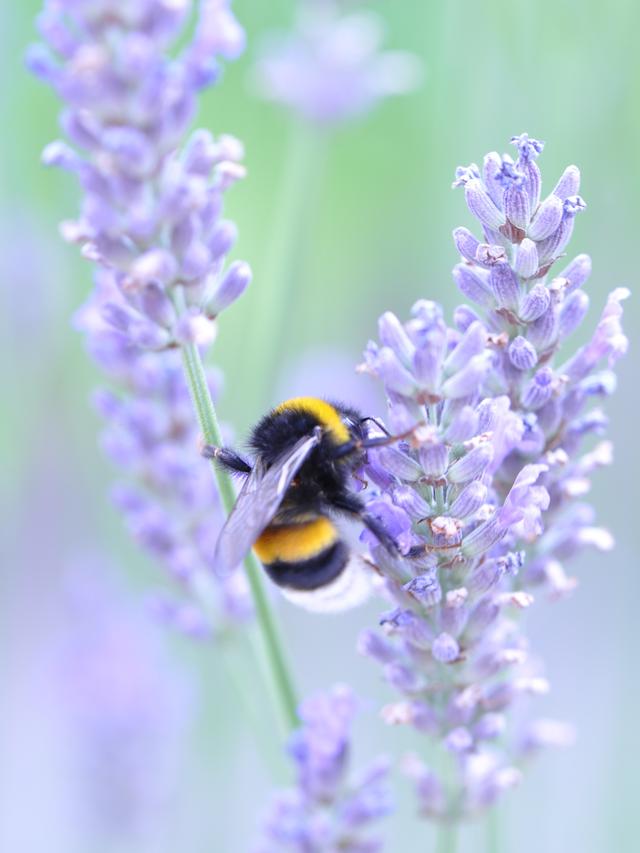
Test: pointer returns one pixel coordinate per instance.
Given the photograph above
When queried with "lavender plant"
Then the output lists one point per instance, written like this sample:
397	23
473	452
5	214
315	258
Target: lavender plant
486	501
330	808
151	221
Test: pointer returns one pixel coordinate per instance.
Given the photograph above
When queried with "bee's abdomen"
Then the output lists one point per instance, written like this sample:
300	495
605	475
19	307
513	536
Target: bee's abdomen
304	555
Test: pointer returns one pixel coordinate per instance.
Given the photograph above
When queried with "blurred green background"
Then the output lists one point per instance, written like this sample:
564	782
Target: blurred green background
375	236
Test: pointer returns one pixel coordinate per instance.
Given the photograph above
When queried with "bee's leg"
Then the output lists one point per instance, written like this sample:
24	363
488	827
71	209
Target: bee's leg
384	538
353	506
228	459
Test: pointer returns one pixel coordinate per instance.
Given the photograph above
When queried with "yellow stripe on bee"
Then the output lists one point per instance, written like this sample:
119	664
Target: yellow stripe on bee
326	414
293	542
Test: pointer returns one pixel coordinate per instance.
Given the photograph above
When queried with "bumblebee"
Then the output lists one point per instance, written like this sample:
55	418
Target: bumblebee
296	485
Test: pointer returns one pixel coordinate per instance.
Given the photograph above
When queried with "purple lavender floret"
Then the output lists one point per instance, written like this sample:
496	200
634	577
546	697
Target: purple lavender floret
330	808
486	499
151	222
330	68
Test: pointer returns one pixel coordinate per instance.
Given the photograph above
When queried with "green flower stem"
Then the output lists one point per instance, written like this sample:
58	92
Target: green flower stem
447	840
288	244
271	643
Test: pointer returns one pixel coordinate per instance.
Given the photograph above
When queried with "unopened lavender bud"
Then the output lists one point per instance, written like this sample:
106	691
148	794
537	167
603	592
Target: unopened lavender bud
551	247
544	733
526	261
445	649
410	501
393	335
402	678
459	740
522	354
463	426
196	261
223	238
372	645
517	206
467	380
399	464
481	205
233	285
116	316
425	588
491	168
454	615
489	726
577	272
466	243
535	303
472	285
469	501
485	576
572	313
434	459
472	343
157	306
543	332
472	465
483	537
396	377
482	616
464	316
546	219
504	285
569	183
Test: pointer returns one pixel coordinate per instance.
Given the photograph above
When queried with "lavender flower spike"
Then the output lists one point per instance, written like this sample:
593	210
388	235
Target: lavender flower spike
151	214
151	221
330	68
330	809
499	434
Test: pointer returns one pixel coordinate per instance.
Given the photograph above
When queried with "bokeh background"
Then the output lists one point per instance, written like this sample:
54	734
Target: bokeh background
372	233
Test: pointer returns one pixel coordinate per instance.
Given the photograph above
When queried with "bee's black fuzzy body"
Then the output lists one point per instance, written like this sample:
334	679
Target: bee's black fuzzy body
298	544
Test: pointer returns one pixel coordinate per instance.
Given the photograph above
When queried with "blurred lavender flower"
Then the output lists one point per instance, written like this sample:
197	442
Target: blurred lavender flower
330	809
330	68
485	501
152	221
127	711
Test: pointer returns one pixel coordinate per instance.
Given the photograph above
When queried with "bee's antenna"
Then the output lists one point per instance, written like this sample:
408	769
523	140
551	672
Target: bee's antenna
376	422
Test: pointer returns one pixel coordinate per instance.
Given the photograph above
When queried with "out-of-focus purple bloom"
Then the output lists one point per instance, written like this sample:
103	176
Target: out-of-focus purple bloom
497	467
151	221
331	808
126	706
330	68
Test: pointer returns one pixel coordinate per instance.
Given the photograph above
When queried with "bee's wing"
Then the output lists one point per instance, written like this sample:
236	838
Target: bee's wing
257	503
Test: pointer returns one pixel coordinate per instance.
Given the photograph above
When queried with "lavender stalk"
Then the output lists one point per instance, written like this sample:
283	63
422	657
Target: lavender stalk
486	500
152	223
